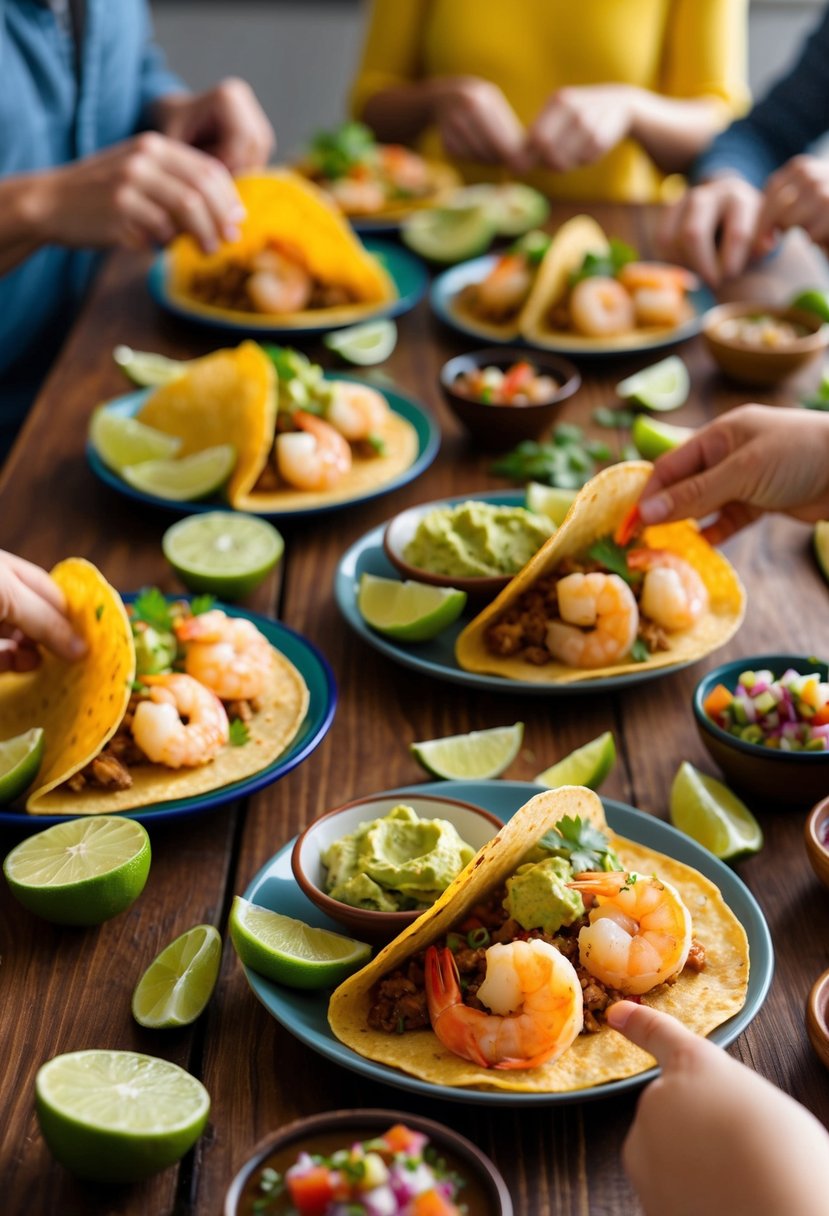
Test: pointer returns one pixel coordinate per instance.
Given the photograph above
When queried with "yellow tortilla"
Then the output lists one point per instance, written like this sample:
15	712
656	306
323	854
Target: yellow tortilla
597	511
701	1000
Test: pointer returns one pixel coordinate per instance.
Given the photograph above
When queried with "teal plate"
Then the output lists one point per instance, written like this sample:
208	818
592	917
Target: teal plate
305	1014
407	272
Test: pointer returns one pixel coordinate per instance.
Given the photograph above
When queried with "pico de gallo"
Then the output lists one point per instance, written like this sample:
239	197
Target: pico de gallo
519	384
790	713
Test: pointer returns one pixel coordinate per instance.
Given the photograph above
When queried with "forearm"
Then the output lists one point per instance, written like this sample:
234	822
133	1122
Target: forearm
21	218
400	113
673	132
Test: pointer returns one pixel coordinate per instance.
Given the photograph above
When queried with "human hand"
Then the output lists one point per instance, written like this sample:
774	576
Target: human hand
577	126
475	120
712	227
32	610
753	459
227	122
712	1136
796	196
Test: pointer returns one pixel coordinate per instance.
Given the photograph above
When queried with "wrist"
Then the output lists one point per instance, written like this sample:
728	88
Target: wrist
25	204
639	106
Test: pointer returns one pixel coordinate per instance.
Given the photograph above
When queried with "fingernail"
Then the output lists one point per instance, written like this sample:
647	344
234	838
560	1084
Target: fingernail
77	648
238	213
654	510
230	232
618	1015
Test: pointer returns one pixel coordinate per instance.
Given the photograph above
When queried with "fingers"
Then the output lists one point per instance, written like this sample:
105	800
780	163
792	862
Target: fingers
477	122
36	607
738	229
675	483
712	228
195	190
244	138
674	1047
35	578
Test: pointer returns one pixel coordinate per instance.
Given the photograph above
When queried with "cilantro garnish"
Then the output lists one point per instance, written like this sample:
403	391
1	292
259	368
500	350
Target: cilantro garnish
605	265
568	461
584	846
532	245
151	606
377	443
604	415
639	651
200	604
333	153
239	733
614	558
99	612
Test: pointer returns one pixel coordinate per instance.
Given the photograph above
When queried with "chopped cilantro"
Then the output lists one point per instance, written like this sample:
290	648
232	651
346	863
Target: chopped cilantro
239	733
639	651
377	443
568	460
150	606
333	153
603	415
605	265
99	612
614	558
200	604
582	844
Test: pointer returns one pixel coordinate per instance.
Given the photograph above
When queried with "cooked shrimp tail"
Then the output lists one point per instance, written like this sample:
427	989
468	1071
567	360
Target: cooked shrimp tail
601	308
599	620
357	411
314	458
181	724
673	593
227	654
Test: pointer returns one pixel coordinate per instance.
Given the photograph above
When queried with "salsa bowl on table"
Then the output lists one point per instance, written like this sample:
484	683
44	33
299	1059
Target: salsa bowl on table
816	833
817	1017
755	344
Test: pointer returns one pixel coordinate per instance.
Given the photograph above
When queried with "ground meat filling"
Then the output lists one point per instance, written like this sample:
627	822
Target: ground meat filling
226	287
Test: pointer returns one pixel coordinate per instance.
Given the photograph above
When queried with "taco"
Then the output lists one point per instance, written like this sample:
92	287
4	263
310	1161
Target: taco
296	262
372	1012
546	630
92	760
495	305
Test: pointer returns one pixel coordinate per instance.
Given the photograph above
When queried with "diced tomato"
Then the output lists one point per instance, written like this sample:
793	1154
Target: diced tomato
821	718
517	378
402	1139
629	526
432	1203
312	1191
718	699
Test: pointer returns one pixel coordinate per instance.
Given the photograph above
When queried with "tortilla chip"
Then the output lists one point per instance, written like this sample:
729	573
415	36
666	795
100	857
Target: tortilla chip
596	512
701	1000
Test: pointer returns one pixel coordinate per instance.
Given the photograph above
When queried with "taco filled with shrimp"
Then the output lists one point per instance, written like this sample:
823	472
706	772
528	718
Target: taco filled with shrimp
504	982
494	305
168	702
594	601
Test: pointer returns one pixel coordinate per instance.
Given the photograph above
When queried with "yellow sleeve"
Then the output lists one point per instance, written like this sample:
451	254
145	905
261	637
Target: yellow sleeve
391	48
705	53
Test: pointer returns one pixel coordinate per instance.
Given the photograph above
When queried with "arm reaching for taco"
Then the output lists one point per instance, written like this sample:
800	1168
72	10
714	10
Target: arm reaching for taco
32	611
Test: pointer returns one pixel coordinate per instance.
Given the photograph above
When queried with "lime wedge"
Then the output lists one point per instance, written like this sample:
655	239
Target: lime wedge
814	300
146	369
183	480
513	207
365	344
117	1116
179	982
708	812
821	543
290	952
81	872
409	611
223	552
588	765
551	501
661	387
652	438
449	234
20	761
474	757
121	441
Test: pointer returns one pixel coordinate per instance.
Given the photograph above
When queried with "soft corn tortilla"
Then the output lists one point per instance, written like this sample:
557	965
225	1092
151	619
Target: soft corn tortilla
597	511
701	1000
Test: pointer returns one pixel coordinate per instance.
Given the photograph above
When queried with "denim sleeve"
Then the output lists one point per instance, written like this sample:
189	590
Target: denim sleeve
785	123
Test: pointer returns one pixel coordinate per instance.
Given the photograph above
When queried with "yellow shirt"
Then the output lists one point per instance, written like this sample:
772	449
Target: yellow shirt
530	48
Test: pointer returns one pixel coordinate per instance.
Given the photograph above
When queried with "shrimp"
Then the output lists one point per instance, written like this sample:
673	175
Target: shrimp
659	306
505	288
357	411
316	457
278	283
599	620
673	594
601	308
657	275
357	195
534	996
227	654
639	933
407	171
159	727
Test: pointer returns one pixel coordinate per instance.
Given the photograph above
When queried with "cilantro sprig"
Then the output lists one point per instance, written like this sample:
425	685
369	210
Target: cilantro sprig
239	733
333	153
152	607
582	844
605	265
614	557
569	461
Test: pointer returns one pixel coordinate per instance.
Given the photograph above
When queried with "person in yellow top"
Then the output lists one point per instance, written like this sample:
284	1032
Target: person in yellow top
589	99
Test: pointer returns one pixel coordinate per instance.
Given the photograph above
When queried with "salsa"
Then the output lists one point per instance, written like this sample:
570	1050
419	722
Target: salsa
762	330
520	384
790	714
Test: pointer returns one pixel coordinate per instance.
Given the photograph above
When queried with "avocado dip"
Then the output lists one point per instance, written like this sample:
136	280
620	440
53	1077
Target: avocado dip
477	539
396	863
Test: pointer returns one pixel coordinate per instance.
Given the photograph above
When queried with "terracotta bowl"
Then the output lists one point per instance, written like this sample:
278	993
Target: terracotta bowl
783	779
752	365
502	426
817	1017
493	1197
474	825
816	832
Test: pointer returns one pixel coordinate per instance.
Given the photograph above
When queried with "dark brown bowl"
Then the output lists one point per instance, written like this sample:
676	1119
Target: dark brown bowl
817	1017
475	825
816	832
753	365
493	1198
502	426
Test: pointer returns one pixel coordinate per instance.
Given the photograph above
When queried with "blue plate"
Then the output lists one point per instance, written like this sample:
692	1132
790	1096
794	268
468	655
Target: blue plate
322	702
305	1014
406	270
437	658
446	286
428	442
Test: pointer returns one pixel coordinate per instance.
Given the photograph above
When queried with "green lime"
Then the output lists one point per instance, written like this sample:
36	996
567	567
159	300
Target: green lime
117	1116
814	300
474	757
365	344
821	543
652	438
81	872
179	981
409	611
708	812
513	207
146	369
20	761
121	441
551	501
588	765
449	234
290	952
661	387
191	477
224	552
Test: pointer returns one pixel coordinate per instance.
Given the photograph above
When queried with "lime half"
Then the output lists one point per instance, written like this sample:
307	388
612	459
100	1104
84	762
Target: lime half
710	813
661	387
223	552
183	480
20	761
588	765
81	872
551	501
814	300
409	611
179	982
146	369
290	952
474	757
121	441
821	543
364	345
117	1116
652	438
449	234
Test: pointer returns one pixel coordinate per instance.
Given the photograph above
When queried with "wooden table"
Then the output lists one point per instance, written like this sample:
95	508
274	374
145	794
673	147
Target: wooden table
70	989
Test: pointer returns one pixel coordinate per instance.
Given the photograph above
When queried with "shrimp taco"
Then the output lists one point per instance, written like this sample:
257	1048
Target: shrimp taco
586	605
504	982
166	704
495	305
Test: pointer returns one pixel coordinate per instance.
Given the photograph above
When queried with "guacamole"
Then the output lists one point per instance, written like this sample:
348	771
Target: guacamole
538	898
477	539
155	650
395	863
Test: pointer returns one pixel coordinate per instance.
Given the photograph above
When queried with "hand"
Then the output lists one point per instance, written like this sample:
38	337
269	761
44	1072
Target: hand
577	126
712	228
753	459
32	610
796	196
475	121
712	1136
227	122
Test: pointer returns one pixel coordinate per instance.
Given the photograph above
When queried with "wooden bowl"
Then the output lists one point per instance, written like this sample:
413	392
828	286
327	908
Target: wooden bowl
816	833
751	364
817	1017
